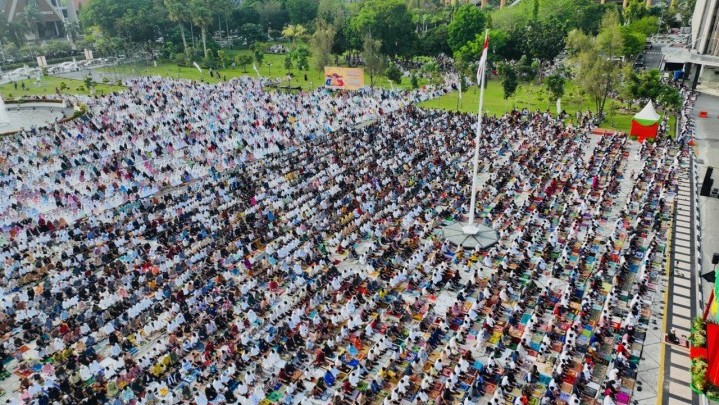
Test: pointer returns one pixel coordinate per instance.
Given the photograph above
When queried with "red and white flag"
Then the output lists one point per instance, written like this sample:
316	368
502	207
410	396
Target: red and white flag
483	59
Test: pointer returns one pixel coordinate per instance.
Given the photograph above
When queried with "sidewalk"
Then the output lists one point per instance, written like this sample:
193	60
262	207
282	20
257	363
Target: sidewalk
681	298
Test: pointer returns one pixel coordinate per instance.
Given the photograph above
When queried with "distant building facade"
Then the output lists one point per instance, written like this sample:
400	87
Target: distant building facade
702	60
51	16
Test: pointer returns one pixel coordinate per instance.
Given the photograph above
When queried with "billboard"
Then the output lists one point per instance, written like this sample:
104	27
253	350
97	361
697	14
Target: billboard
342	78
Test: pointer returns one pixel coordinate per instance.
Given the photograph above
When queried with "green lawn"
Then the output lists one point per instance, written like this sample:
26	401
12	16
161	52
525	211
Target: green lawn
276	69
48	86
530	96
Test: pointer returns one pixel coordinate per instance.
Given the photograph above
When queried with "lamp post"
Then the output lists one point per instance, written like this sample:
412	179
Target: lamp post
269	74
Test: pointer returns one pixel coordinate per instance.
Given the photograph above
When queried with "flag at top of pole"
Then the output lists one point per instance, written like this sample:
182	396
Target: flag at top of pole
471	228
483	59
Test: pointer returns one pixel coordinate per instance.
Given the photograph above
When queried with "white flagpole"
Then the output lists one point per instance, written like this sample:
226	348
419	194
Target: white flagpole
471	228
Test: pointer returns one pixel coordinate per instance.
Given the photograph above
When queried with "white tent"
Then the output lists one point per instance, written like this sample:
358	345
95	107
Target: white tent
645	124
648	114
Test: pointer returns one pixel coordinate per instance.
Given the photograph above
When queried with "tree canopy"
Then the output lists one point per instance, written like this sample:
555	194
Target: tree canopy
134	20
596	59
388	21
469	21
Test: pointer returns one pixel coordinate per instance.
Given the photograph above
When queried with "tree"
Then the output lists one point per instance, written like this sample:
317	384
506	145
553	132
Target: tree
101	42
430	69
56	47
648	86
272	14
526	69
132	21
389	22
647	25
258	52
555	86
321	44
393	73
292	32
33	17
588	15
89	83
414	82
632	42
302	11
222	9
635	10
179	12
17	29
670	98
72	29
245	14
544	40
509	80
469	21
535	10
331	11
223	58
598	68
243	61
373	58
434	41
288	63
685	9
251	33
202	16
300	56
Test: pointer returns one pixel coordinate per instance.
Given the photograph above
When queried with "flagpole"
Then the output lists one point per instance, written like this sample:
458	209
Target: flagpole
459	95
471	228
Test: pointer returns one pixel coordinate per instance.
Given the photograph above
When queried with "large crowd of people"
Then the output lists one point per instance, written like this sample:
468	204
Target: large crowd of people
213	244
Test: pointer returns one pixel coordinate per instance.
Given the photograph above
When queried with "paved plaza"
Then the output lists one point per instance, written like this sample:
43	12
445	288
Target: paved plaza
254	253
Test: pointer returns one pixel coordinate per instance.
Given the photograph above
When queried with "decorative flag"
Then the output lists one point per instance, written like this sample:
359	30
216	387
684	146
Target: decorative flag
460	88
559	106
483	60
256	71
197	66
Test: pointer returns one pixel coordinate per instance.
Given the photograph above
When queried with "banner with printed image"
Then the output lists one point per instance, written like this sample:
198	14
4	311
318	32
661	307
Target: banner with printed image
342	78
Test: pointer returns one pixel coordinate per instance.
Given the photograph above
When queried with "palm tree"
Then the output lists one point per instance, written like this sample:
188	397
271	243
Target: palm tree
293	32
72	29
179	11
18	29
202	16
33	17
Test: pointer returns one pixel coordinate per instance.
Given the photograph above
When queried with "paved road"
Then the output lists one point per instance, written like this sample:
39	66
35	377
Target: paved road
97	75
653	57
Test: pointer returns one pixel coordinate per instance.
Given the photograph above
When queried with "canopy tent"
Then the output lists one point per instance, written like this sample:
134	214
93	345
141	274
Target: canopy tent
645	123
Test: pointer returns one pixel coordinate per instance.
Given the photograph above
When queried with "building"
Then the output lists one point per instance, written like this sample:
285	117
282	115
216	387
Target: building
51	16
701	59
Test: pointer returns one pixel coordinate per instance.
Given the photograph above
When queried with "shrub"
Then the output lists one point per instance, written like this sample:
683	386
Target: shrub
393	73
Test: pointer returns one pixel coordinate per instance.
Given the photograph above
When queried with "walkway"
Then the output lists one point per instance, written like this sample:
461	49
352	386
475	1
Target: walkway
681	296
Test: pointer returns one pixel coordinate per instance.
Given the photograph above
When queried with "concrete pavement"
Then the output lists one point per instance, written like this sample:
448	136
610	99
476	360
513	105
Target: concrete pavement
707	147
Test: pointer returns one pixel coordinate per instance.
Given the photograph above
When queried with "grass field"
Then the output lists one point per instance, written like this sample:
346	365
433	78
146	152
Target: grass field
529	96
532	97
48	86
273	66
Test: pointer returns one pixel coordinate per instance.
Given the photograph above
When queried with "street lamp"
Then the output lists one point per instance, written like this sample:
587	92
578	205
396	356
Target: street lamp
269	65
